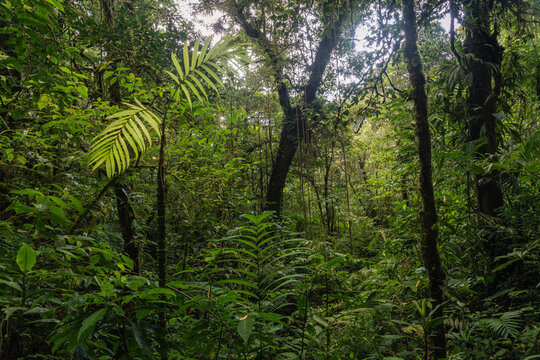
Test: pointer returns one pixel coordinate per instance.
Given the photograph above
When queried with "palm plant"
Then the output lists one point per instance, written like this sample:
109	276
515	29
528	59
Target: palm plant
130	132
111	148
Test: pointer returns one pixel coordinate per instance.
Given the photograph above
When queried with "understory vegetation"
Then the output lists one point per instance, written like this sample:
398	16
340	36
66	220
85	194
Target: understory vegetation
333	179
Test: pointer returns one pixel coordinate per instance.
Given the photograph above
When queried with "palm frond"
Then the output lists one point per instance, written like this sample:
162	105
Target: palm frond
202	68
507	325
128	135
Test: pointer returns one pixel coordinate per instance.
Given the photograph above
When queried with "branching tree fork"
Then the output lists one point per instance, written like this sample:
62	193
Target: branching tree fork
294	129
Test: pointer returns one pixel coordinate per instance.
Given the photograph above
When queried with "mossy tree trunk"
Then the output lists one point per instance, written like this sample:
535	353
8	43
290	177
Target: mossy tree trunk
428	214
483	64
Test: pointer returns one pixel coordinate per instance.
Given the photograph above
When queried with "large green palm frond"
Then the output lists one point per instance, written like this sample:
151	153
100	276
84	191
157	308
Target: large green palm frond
130	132
202	67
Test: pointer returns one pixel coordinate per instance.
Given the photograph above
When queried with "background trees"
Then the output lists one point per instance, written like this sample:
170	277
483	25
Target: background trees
319	128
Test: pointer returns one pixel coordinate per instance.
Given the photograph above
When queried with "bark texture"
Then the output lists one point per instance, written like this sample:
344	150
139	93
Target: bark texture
484	58
293	130
161	239
430	251
126	216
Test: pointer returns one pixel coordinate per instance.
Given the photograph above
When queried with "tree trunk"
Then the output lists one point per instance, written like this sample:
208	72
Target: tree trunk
430	252
126	216
125	211
293	129
161	239
288	144
482	102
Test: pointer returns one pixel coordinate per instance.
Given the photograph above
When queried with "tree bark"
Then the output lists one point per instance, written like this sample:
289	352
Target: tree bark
126	216
430	252
161	239
484	67
293	129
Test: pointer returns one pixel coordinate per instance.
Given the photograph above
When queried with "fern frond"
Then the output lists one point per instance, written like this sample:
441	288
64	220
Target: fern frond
531	149
127	135
264	260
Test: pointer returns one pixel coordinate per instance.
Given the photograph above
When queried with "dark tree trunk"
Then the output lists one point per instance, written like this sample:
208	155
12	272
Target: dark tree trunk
430	252
482	101
293	129
291	134
328	208
161	238
538	80
126	216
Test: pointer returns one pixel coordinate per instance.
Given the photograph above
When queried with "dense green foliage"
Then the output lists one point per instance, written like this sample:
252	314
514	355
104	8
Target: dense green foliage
135	156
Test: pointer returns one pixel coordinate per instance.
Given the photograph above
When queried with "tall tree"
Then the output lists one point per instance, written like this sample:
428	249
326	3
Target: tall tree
429	249
485	56
483	59
332	17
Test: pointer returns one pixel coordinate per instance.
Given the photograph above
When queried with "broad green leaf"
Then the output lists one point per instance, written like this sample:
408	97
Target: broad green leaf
141	313
245	327
83	91
89	323
142	341
11	284
56	4
44	101
59	214
29	192
26	258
